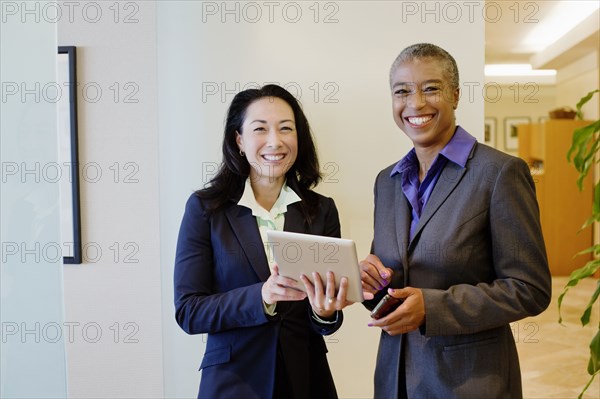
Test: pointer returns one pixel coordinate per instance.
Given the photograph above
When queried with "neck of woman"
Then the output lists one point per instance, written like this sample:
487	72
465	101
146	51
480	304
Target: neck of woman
266	192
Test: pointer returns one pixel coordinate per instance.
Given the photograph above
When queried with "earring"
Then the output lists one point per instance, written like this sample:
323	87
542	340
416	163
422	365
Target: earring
242	153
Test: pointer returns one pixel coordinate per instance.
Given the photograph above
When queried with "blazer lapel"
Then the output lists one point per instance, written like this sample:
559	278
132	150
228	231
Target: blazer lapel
244	226
447	182
294	220
403	217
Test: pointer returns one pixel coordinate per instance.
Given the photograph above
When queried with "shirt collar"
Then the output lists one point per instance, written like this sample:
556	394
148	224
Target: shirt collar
456	150
287	196
459	147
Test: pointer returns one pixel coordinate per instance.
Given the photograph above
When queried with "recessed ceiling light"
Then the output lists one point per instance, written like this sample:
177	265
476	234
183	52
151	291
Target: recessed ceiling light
516	70
564	16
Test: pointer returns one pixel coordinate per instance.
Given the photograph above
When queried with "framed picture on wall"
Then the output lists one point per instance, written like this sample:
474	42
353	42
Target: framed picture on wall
511	135
489	131
70	215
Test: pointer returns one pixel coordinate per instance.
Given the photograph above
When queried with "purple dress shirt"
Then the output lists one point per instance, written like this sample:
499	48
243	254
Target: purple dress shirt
417	193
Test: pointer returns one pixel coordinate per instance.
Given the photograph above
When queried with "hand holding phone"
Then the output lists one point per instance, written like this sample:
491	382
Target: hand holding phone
387	304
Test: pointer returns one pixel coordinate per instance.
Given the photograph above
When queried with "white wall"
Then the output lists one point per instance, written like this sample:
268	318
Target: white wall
32	358
116	291
206	55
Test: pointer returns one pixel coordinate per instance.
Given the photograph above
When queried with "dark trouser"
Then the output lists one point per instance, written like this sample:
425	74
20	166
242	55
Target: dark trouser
283	388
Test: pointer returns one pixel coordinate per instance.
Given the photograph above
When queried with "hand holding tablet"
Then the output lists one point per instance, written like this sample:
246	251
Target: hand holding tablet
297	254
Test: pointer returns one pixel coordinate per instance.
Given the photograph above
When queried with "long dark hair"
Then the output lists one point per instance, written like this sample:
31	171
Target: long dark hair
228	184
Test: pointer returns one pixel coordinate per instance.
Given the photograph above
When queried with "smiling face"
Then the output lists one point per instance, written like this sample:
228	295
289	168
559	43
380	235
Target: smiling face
424	101
269	140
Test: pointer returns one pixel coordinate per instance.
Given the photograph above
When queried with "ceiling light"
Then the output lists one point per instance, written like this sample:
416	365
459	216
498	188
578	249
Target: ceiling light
563	17
516	70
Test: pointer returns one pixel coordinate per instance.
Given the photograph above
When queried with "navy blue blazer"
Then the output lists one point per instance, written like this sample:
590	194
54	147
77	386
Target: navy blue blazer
220	268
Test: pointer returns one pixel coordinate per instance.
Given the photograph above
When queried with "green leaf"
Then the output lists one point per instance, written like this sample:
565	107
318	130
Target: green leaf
579	144
594	363
589	222
583	272
560	299
596	202
581	139
576	276
595	249
591	148
584	147
588	159
587	385
582	102
585	318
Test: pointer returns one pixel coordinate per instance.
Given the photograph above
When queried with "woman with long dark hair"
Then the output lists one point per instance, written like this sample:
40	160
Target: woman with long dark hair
264	334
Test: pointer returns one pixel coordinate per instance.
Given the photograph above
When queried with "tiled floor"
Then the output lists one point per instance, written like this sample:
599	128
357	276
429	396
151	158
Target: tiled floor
554	358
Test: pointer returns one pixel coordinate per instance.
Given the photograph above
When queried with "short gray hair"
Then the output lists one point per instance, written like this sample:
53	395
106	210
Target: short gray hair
428	50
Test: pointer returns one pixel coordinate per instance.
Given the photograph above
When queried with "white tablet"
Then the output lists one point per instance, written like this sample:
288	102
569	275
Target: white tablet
297	254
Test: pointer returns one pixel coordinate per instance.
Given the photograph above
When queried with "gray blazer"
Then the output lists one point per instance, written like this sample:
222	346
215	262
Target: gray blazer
478	255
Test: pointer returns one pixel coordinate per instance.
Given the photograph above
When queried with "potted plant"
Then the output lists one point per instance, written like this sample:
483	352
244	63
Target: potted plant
583	152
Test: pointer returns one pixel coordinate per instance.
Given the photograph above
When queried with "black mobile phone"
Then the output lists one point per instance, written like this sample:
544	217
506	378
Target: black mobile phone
387	304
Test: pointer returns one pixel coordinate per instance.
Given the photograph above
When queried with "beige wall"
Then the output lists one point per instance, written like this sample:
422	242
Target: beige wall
521	99
576	80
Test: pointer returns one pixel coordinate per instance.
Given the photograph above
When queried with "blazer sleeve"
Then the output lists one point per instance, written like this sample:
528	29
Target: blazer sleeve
331	229
522	286
371	303
198	307
332	220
